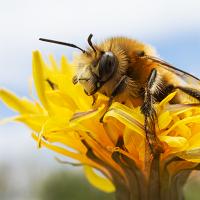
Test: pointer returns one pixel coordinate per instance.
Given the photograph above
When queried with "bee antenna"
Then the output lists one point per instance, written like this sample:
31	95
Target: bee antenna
62	43
90	42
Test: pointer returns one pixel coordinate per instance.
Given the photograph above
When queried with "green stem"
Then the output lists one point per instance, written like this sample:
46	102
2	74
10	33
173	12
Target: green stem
154	179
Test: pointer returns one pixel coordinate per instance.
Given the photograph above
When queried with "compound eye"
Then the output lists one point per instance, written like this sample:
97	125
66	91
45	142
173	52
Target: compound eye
107	66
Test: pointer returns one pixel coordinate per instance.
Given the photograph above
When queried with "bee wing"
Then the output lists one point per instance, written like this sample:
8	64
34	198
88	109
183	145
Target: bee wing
185	76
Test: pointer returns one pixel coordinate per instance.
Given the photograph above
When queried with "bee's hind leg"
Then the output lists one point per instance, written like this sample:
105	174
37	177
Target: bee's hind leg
190	91
149	113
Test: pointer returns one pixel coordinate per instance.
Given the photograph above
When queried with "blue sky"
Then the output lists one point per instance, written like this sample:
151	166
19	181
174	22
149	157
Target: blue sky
172	27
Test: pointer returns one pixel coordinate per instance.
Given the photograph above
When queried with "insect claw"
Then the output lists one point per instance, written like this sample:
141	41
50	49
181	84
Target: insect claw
101	119
93	100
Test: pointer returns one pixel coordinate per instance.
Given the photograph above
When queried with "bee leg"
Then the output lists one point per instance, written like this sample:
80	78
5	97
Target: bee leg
119	87
109	104
190	91
150	115
93	99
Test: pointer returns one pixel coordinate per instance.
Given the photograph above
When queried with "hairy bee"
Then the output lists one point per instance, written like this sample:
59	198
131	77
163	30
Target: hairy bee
128	70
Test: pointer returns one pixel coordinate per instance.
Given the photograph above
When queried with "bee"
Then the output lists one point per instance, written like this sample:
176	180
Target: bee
127	70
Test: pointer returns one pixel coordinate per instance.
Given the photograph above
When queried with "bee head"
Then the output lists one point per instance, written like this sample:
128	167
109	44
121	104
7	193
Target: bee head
96	68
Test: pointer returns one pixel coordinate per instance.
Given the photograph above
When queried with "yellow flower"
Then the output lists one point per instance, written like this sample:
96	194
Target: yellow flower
65	121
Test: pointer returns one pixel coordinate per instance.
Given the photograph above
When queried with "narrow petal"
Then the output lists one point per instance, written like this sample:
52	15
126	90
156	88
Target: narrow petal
133	142
53	63
126	119
167	99
66	68
175	142
97	181
194	119
81	116
20	105
39	79
164	119
192	155
65	137
61	99
35	122
133	112
80	157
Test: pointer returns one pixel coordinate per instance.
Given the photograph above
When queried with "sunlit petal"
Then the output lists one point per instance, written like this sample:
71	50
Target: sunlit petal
98	181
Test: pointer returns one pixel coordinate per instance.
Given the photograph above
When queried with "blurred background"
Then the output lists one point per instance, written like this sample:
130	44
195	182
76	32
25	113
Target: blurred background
172	27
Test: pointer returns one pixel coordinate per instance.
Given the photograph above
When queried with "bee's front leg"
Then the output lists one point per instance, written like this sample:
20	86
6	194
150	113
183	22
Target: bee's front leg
119	88
93	99
149	113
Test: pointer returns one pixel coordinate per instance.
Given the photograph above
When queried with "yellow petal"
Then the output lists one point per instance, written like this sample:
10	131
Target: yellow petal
97	181
175	142
112	131
194	140
80	157
126	118
53	63
164	119
66	86
58	98
81	116
167	99
39	79
192	155
54	124
133	142
66	68
7	120
21	105
183	130
184	109
35	122
133	112
81	121
68	139
194	119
